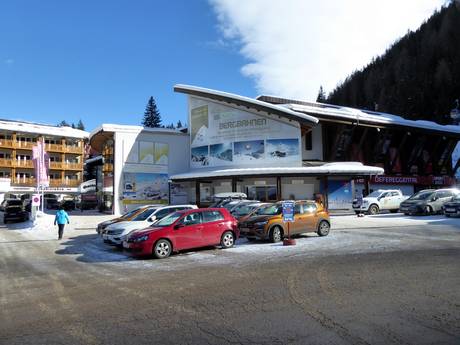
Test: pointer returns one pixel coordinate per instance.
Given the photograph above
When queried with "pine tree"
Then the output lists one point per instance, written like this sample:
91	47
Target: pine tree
321	95
73	125
152	116
80	125
63	123
179	124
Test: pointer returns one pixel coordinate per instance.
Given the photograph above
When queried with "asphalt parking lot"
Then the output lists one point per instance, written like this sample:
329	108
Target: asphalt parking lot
379	279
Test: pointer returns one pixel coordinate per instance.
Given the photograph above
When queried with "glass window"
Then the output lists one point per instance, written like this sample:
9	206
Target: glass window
270	210
298	209
308	141
309	208
212	216
144	214
191	219
169	219
164	212
443	194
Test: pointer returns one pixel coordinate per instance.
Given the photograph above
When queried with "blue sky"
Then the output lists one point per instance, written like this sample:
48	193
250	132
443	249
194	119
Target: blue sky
100	60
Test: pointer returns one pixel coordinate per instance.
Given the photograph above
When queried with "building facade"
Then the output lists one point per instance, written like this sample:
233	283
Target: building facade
267	151
134	165
64	145
414	154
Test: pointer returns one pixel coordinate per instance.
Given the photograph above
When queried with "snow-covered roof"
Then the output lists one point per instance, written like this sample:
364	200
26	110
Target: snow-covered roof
356	115
37	128
108	127
337	168
245	101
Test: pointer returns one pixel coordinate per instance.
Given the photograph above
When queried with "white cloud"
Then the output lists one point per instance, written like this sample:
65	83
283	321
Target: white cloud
294	46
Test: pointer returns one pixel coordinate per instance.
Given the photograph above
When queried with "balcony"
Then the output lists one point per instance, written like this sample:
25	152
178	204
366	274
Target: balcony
24	164
64	183
6	143
73	149
66	166
24	181
6	162
54	147
24	145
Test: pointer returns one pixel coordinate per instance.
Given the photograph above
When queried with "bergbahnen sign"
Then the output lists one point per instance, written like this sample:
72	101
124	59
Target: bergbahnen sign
227	136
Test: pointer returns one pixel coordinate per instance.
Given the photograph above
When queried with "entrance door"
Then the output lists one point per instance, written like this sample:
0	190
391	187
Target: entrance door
189	233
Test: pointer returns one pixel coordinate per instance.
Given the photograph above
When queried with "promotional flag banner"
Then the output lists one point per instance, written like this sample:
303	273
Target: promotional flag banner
41	164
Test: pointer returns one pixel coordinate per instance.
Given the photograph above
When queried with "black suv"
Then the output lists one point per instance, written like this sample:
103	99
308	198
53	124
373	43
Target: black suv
14	210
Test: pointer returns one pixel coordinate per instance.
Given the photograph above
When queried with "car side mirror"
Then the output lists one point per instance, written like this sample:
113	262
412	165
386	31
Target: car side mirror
178	226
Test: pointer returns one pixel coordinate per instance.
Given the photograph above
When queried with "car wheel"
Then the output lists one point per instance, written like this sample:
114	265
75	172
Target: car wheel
323	228
406	214
447	215
276	234
227	240
373	209
162	249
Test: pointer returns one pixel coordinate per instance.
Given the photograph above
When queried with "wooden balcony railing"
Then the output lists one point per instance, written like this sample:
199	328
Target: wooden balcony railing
66	166
73	166
27	145
6	162
64	183
23	163
73	149
6	143
24	181
54	148
31	182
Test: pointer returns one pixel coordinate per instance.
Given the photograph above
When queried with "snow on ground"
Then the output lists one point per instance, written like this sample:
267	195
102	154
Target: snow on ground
350	234
389	220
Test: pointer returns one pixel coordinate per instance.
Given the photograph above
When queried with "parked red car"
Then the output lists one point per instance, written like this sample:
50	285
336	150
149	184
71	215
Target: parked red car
185	230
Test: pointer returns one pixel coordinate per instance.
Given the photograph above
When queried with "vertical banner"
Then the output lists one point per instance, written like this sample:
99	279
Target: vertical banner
41	164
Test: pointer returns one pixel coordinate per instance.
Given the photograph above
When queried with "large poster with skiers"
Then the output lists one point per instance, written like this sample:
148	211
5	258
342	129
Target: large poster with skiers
225	136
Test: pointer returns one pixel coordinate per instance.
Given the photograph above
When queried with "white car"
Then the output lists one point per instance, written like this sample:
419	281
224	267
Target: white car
115	233
381	199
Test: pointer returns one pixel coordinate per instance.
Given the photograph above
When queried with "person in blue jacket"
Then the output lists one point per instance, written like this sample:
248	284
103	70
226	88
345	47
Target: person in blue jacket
61	219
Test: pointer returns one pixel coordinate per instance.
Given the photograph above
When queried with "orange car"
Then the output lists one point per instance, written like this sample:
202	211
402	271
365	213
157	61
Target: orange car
267	223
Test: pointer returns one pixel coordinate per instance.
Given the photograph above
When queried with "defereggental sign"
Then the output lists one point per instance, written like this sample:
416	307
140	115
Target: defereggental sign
288	211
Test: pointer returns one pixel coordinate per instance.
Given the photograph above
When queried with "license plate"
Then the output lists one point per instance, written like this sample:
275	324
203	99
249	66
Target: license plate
126	245
450	209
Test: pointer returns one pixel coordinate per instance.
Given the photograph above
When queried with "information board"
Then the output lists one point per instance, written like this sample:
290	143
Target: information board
288	211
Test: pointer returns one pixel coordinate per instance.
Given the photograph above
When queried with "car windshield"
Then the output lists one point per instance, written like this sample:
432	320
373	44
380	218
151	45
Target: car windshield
14	203
375	194
129	214
144	214
421	196
230	205
269	210
245	209
169	219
